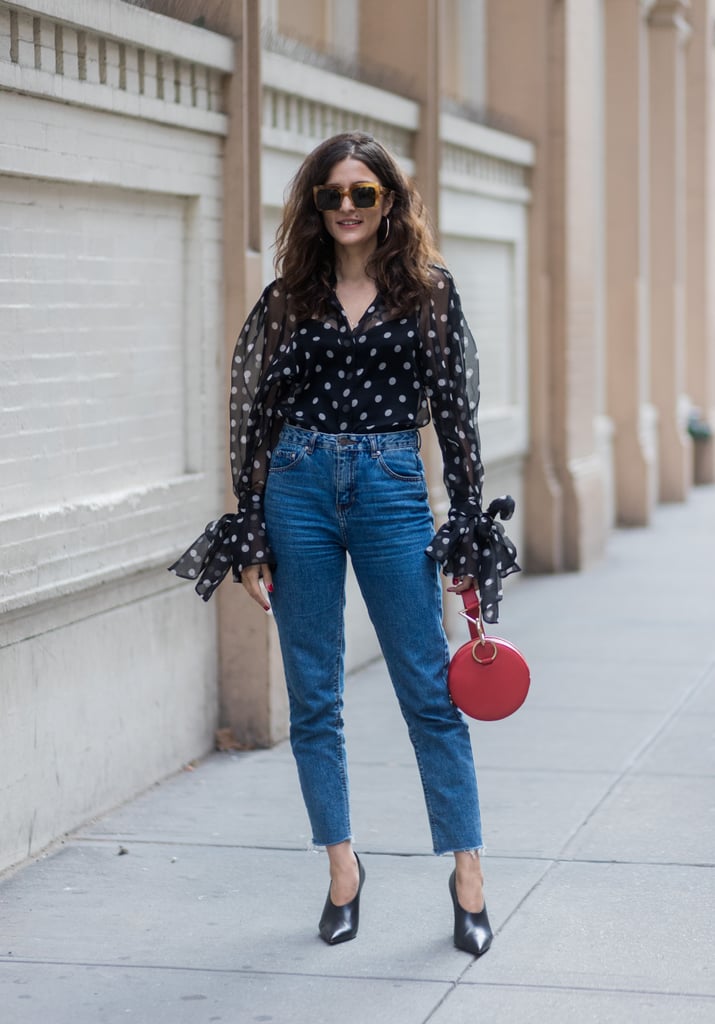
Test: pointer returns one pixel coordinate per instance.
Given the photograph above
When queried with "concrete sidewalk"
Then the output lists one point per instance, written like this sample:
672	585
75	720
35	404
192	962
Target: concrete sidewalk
597	801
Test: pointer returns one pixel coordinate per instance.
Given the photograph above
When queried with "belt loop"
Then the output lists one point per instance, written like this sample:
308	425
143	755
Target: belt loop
373	447
310	443
419	440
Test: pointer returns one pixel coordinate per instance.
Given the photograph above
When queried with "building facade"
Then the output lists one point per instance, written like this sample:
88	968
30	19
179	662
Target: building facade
565	151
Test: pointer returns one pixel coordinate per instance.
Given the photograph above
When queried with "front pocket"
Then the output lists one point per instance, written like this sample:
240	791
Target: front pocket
402	464
286	457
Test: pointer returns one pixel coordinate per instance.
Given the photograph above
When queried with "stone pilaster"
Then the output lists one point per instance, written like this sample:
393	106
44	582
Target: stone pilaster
700	226
517	57
543	75
252	691
626	257
668	34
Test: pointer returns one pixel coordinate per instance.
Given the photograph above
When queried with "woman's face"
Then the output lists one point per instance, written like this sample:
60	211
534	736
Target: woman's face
347	225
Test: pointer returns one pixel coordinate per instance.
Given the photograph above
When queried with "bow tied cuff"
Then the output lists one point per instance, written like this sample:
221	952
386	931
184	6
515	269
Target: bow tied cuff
234	541
472	543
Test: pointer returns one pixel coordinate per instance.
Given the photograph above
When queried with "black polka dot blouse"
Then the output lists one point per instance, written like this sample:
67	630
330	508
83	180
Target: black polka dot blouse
387	373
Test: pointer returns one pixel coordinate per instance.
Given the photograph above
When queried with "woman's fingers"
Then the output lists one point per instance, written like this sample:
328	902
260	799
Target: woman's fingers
251	579
460	585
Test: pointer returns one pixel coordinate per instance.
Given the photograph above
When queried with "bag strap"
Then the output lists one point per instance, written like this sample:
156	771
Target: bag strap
472	612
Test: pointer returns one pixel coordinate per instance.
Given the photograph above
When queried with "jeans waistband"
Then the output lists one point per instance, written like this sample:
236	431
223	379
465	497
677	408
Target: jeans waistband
372	443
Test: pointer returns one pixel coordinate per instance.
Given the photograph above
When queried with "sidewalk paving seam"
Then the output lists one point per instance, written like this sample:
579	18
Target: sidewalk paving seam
451	982
109	841
590	988
253	972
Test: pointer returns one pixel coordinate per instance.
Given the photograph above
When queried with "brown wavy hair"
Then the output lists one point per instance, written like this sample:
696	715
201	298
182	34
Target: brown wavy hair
305	252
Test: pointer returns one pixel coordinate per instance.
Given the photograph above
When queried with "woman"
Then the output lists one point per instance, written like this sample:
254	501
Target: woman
344	356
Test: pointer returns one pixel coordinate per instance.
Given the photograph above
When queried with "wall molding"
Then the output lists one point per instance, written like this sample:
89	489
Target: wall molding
484	161
117	58
304	105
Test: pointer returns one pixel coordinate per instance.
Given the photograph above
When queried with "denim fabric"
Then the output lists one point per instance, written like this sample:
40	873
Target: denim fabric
329	495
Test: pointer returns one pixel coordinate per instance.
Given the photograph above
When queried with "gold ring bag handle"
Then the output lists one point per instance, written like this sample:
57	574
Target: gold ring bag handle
472	612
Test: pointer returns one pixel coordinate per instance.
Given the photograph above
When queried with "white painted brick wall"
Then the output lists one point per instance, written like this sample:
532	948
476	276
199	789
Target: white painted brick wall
91	336
484	241
484	271
110	326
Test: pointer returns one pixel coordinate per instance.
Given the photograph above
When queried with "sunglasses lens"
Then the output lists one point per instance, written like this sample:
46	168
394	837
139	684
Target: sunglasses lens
364	196
327	199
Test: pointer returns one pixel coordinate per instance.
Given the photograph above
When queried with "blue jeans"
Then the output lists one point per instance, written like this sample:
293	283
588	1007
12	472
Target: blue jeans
329	495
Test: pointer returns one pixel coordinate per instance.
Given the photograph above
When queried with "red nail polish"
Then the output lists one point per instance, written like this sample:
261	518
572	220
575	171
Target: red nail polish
269	588
266	607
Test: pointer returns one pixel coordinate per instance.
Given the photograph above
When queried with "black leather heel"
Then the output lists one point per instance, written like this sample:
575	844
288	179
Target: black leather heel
472	932
340	924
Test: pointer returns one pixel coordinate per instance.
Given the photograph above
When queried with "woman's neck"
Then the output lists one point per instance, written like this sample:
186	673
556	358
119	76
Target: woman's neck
350	265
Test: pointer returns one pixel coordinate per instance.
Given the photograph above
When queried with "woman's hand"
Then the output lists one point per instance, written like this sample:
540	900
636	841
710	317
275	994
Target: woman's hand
251	579
461	584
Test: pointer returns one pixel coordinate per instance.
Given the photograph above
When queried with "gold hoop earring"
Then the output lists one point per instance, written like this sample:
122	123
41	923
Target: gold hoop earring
387	230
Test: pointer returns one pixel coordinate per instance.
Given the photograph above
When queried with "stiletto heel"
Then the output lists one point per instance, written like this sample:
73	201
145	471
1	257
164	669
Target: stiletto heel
340	924
472	932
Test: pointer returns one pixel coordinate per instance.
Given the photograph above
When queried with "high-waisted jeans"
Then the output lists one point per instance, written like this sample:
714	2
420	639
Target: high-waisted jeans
329	495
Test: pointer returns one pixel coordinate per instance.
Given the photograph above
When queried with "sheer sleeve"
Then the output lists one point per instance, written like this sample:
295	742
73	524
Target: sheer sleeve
471	542
263	366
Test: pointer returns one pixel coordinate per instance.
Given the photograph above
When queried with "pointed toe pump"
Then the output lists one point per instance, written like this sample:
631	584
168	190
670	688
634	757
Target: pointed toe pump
472	932
340	924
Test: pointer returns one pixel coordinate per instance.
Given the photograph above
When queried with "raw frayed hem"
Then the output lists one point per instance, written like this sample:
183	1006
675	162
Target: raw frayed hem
313	847
481	850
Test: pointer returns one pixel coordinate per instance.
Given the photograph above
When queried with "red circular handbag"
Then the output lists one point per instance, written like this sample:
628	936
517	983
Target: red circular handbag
488	677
